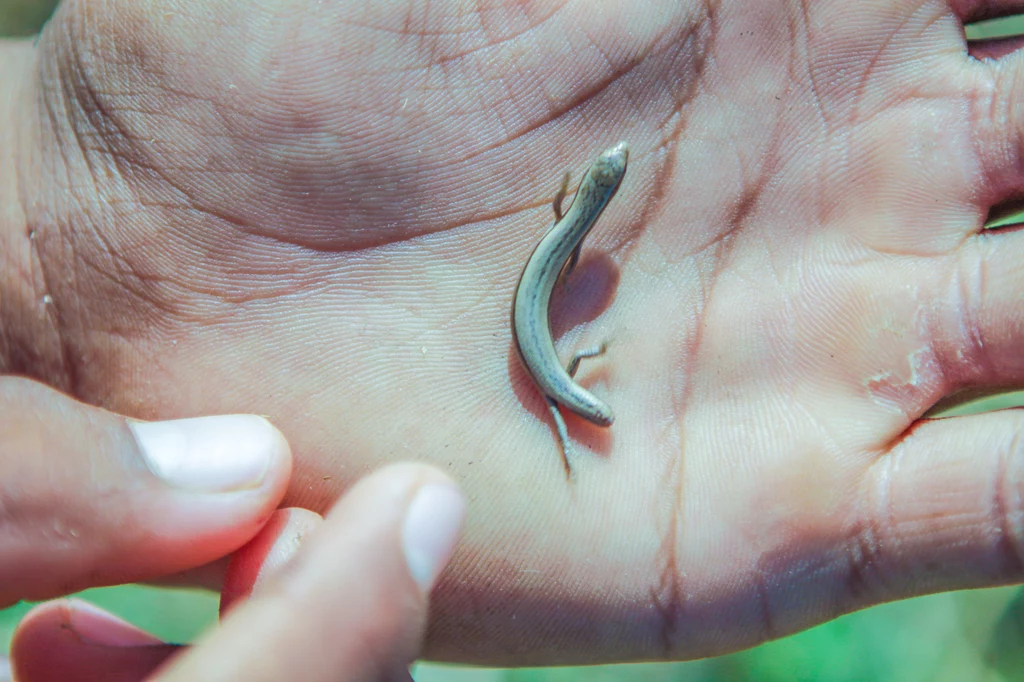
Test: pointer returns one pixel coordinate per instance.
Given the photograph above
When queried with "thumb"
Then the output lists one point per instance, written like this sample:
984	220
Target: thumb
89	498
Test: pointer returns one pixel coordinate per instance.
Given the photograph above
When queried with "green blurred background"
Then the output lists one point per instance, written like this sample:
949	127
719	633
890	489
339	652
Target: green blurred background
961	636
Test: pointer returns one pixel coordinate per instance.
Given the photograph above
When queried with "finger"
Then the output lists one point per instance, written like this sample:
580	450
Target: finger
265	554
352	602
981	317
995	48
68	640
943	510
979	10
995	102
88	498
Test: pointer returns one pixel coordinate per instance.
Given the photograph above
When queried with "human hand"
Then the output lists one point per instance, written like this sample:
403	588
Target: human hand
320	212
92	499
350	605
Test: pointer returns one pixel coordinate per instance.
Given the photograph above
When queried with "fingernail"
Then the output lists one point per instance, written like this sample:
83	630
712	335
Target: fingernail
95	626
431	529
209	454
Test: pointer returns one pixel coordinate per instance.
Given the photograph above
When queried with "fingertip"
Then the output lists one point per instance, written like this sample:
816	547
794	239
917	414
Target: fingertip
219	478
273	547
397	483
126	500
426	506
412	473
355	596
71	639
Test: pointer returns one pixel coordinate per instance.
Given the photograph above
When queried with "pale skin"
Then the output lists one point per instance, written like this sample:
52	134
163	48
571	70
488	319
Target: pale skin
319	211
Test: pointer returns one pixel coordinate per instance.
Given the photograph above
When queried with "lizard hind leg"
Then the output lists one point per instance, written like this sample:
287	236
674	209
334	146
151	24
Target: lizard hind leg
592	352
563	431
563	435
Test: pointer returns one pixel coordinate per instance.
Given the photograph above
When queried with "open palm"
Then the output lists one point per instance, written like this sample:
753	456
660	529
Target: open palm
319	212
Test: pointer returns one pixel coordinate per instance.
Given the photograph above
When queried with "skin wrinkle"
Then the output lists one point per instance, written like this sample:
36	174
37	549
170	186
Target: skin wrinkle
862	85
892	459
583	98
768	629
1010	544
71	381
85	93
801	37
101	120
862	554
12	268
771	626
875	247
895	453
672	613
496	42
934	21
974	332
967	349
745	205
98	122
663	175
822	202
139	293
108	114
133	151
397	237
669	597
68	379
84	99
600	86
981	101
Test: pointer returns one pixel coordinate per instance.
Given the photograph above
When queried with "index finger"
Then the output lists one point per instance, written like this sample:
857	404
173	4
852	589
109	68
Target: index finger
352	602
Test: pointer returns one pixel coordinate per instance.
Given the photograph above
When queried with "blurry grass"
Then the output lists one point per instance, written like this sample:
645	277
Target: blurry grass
24	17
975	635
995	28
174	615
989	403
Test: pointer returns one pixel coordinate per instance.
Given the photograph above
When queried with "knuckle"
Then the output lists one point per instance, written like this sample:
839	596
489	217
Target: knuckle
1007	505
961	344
